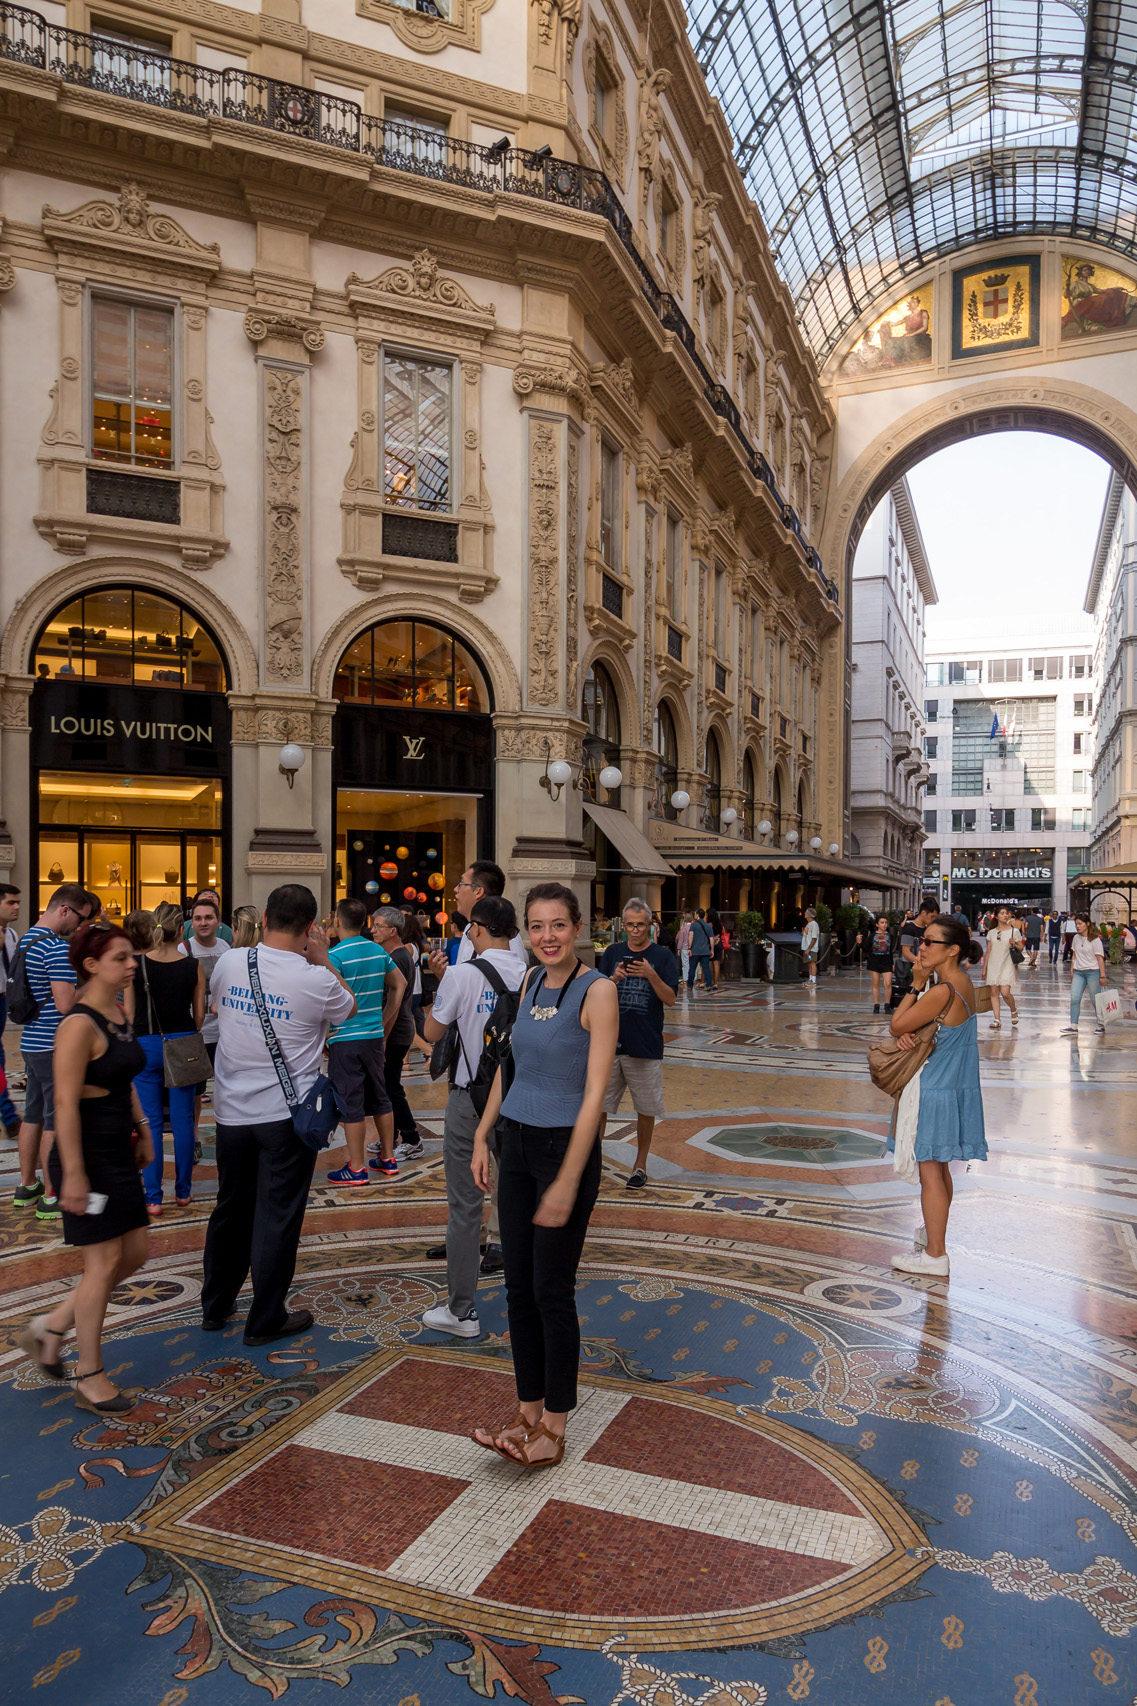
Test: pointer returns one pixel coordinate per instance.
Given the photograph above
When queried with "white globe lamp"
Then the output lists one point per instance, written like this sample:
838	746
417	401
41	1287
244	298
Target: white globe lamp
291	758
610	777
560	772
680	799
834	849
729	815
815	843
792	837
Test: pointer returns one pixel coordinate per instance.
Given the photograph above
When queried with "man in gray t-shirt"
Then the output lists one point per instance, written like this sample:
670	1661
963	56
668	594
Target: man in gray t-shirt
204	944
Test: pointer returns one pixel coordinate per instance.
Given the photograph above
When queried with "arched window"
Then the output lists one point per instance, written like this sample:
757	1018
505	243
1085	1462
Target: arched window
776	815
667	765
411	663
130	636
802	813
748	793
712	808
601	711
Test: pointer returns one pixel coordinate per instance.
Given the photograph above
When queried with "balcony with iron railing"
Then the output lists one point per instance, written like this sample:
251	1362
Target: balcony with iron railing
198	91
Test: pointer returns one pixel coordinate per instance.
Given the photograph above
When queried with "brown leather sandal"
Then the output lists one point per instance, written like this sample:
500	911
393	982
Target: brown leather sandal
503	1427
524	1461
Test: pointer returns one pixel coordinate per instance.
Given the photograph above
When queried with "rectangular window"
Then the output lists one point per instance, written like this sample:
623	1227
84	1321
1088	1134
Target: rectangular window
132	383
1005	669
1044	669
933	675
932	785
1043	817
720	612
967	674
1002	817
674	567
610	506
416	432
930	822
931	746
1083	706
931	710
1080	665
120	57
963	822
414	135
1079	783
1077	743
755	643
986	730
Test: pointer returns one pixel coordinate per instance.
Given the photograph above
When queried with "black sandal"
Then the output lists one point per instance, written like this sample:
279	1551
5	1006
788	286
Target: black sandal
116	1406
32	1340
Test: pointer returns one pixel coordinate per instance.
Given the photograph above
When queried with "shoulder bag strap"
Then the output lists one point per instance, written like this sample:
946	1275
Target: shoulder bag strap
285	1081
149	1003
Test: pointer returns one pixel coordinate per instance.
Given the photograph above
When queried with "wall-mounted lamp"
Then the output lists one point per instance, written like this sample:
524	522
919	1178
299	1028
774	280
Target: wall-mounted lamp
834	849
729	815
540	155
499	149
815	843
610	778
680	799
792	837
291	759
765	828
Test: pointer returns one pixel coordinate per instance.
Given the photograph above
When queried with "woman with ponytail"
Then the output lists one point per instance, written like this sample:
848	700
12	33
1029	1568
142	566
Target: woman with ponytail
95	1163
944	1096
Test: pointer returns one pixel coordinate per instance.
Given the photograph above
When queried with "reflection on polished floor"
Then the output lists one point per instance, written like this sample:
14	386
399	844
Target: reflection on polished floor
793	1475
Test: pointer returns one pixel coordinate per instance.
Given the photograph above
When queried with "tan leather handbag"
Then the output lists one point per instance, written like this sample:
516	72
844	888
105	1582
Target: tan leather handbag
891	1067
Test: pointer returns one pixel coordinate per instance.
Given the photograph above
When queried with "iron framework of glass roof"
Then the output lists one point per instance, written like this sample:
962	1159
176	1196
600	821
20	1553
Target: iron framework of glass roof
875	137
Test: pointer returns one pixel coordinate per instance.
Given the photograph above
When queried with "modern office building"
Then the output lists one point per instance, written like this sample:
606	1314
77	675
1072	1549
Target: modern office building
1111	599
892	588
1009	798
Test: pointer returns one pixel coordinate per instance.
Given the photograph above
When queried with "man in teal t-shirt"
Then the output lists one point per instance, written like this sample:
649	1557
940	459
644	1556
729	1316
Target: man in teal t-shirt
355	1048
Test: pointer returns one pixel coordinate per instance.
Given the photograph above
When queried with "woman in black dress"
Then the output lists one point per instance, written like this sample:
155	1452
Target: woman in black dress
94	1164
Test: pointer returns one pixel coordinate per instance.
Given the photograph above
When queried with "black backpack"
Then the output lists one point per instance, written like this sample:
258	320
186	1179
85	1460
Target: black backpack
23	1007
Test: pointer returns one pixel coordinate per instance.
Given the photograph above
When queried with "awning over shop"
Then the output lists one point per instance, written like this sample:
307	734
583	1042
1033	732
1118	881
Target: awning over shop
634	848
1112	877
696	850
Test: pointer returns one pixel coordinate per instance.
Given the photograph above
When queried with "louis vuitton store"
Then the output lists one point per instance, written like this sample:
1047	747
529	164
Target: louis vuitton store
130	751
414	771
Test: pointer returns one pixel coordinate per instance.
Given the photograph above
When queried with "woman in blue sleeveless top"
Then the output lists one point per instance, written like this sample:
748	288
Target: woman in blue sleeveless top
949	1124
564	1044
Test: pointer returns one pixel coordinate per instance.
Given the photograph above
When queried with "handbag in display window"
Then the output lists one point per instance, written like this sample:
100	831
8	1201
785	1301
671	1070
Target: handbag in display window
1108	1005
184	1059
316	1116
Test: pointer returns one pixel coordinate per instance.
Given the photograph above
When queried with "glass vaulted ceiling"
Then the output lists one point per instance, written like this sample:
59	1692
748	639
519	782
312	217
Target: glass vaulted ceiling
875	136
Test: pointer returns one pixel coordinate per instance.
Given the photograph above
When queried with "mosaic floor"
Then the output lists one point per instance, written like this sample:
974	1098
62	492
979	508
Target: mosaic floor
792	1476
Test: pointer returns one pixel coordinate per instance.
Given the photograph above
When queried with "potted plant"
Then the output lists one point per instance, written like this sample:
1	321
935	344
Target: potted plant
849	921
749	929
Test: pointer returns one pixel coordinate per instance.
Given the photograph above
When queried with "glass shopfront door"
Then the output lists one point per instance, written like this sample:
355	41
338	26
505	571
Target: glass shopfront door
405	850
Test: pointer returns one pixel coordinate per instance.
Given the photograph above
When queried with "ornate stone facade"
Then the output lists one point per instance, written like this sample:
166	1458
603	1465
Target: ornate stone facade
283	524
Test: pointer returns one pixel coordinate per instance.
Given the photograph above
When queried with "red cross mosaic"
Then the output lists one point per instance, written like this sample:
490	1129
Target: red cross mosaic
668	1515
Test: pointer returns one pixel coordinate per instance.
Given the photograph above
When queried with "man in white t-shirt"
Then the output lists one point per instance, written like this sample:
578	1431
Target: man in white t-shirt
481	880
810	937
263	1169
467	997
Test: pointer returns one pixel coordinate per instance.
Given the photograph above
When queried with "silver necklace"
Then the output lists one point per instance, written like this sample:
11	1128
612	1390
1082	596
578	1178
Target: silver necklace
541	1014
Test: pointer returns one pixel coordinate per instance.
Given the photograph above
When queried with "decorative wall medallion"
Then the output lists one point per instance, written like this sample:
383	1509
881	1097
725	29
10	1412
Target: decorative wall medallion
995	306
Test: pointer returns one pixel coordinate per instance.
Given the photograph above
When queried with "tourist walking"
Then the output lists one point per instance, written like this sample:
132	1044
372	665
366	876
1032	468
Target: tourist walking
1087	971
646	976
998	970
683	948
207	944
467	995
9	942
939	1115
699	952
51	979
880	964
1054	935
810	940
717	945
356	1064
167	1001
94	1162
386	929
264	1169
482	878
1033	937
1069	931
563	1046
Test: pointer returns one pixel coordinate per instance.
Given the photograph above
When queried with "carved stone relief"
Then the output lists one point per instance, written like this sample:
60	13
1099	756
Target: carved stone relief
426	33
544	558
283	403
572	571
650	128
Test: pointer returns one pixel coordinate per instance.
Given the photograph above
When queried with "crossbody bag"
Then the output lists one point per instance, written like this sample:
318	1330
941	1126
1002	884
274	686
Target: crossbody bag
184	1059
315	1117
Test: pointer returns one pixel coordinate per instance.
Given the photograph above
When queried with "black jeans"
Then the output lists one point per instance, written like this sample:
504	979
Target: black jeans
541	1261
393	1060
263	1176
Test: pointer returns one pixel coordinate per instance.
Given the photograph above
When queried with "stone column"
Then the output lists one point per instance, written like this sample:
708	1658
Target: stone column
15	790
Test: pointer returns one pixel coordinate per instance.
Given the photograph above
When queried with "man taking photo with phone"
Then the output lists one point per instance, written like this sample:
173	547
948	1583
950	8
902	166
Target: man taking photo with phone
646	976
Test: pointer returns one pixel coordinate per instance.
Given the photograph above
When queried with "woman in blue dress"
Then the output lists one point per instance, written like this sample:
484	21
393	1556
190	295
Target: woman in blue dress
949	1121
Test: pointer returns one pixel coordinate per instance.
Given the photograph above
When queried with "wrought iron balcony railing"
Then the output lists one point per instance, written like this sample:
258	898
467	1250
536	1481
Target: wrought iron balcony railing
136	74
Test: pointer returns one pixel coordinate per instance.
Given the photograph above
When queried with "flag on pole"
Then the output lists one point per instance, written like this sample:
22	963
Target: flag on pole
994	726
1011	728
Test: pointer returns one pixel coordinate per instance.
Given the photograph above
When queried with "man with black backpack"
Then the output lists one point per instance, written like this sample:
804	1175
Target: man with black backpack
474	1011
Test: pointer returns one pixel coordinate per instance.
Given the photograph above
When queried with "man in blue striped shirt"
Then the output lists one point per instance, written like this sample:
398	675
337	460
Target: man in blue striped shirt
52	980
355	1048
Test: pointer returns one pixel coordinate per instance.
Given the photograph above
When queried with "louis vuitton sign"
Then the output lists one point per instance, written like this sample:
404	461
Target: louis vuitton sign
401	747
84	725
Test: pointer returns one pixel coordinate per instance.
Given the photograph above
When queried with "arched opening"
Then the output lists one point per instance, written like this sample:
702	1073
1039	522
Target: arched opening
749	798
130	749
667	763
712	806
600	710
413	767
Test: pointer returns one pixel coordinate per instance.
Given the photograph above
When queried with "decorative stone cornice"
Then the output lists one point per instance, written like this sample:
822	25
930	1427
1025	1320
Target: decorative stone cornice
110	227
421	287
535	382
614	387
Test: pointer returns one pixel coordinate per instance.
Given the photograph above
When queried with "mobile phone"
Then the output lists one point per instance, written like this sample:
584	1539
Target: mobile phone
96	1202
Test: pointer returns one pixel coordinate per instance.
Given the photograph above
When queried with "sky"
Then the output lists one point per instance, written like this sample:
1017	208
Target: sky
1010	523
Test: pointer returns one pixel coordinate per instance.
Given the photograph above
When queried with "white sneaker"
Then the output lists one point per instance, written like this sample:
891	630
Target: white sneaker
1068	1031
441	1320
919	1262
